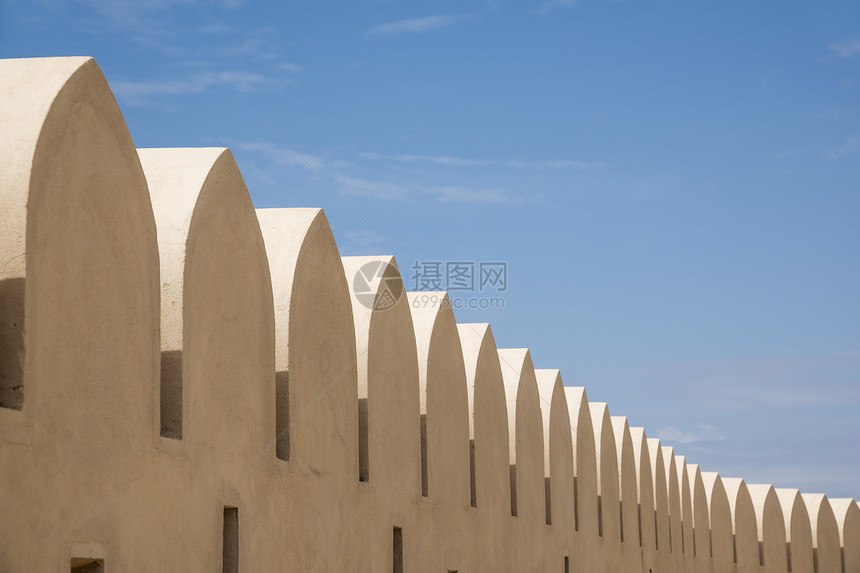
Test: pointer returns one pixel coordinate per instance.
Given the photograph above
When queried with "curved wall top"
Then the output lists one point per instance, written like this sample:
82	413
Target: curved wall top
770	525
798	528
825	533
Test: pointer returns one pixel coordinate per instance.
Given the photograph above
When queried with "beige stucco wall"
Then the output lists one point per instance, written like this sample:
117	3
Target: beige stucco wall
169	353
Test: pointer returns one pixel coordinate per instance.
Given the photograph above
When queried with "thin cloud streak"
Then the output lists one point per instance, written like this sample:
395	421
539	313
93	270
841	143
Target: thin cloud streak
412	25
140	92
847	49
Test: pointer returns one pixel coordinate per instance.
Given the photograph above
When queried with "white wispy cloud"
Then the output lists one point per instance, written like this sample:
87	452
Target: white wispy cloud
454	161
413	25
279	154
462	194
847	49
850	146
368	188
360	241
704	433
140	92
290	67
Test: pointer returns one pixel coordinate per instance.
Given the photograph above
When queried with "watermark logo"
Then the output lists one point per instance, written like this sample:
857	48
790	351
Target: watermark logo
460	277
386	296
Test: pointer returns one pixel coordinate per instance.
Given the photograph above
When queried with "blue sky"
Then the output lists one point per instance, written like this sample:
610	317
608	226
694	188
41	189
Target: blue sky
673	185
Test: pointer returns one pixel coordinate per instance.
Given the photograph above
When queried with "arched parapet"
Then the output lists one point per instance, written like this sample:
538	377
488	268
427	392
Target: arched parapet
825	533
645	490
315	397
525	434
215	280
444	411
443	399
675	517
744	527
558	460
686	493
389	469
608	508
702	550
628	494
847	514
661	502
585	477
770	528
798	530
721	523
386	354
488	420
80	301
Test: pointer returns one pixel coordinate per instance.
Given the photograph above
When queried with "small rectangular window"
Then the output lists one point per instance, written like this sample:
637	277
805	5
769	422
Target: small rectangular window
87	565
547	495
282	415
230	559
425	486
171	394
513	473
397	545
566	564
363	442
473	485
12	343
600	516
575	504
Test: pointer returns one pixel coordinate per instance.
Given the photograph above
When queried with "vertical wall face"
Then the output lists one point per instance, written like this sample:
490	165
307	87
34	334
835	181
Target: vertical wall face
674	505
744	528
211	246
847	514
445	406
722	544
629	495
489	423
686	513
609	513
825	533
79	298
770	528
798	530
702	547
661	503
315	346
558	460
585	484
646	509
388	393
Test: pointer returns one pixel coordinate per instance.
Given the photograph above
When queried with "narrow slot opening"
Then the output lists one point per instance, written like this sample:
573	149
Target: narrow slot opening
575	504
86	565
513	473
734	548
761	554
694	542
12	343
683	540
282	415
621	520
473	485
788	555
669	529
171	394
230	556
425	488
656	532
639	520
815	560
397	545
711	543
842	554
600	516
566	564
363	442
547	495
